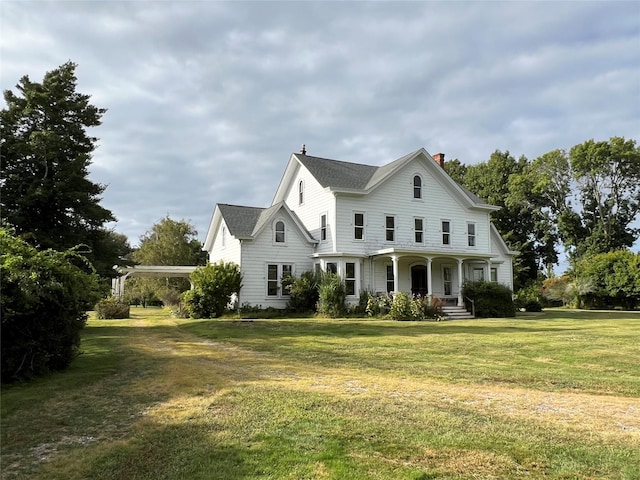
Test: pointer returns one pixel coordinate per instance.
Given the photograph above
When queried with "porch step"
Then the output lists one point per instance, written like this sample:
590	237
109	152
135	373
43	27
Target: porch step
455	312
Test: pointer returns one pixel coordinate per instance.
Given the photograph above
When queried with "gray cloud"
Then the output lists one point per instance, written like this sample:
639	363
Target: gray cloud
206	100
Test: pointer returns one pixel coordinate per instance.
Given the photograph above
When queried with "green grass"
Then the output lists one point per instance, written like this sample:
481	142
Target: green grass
552	396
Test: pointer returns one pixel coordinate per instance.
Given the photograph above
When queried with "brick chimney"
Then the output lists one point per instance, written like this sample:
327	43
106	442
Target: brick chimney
439	158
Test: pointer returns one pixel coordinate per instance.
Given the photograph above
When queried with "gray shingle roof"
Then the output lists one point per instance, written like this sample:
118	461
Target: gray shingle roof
240	220
338	174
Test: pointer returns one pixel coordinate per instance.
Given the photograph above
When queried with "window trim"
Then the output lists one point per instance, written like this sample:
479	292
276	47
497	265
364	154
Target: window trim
418	187
350	280
280	267
323	228
387	229
276	231
361	227
301	192
471	237
447	233
416	231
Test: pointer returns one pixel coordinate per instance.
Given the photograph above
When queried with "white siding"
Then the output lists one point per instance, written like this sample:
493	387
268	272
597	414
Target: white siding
229	252
316	202
395	197
260	252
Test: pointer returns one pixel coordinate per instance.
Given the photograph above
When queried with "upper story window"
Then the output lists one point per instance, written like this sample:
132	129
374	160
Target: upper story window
224	236
417	186
300	192
418	230
471	234
358	225
279	232
323	227
446	232
390	228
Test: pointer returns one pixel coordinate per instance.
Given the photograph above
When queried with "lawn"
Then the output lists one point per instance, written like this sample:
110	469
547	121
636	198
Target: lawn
554	396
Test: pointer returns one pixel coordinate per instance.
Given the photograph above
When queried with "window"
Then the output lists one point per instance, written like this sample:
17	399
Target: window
272	280
478	274
390	282
300	192
494	274
350	278
285	279
280	231
418	228
317	268
471	234
224	236
417	187
276	273
323	227
390	227
446	232
331	267
358	226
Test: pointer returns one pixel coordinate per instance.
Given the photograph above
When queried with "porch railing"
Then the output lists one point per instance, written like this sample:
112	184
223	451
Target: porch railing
473	306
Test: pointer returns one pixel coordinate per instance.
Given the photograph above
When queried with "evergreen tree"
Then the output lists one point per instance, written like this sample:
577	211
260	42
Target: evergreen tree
47	196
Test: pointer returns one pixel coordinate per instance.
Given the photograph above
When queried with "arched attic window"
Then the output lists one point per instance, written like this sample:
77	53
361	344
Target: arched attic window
417	186
300	192
279	232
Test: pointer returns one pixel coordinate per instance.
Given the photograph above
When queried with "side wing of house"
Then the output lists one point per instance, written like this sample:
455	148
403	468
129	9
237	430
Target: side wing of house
279	246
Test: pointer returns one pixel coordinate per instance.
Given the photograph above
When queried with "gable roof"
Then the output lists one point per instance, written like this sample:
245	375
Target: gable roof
337	175
246	223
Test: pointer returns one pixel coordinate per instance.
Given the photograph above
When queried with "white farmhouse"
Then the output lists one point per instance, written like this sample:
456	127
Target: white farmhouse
405	226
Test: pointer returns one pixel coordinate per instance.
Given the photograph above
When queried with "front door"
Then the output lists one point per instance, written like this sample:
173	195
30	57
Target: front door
419	280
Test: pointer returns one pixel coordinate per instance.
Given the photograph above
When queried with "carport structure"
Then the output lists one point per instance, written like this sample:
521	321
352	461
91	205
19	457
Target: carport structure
153	271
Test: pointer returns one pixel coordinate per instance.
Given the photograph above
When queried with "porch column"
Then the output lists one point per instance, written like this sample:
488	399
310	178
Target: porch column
487	274
460	299
396	282
429	287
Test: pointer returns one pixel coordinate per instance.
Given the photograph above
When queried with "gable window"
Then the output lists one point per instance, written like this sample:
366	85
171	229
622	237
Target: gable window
418	229
358	226
279	232
471	234
277	275
323	227
224	236
390	283
300	192
350	278
417	186
446	232
390	228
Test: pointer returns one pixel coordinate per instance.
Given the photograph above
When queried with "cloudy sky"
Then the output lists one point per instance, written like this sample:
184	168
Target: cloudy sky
207	100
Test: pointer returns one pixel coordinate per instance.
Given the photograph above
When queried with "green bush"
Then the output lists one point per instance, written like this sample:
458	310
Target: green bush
405	308
303	292
378	306
431	308
112	307
533	306
44	297
332	295
214	284
491	299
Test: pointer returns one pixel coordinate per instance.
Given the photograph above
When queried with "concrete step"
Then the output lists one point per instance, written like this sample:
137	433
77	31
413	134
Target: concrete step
455	312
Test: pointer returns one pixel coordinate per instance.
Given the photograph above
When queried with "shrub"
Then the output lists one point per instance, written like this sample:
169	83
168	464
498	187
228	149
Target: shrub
431	309
44	299
379	305
491	299
533	306
405	308
303	291
332	295
214	284
112	307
